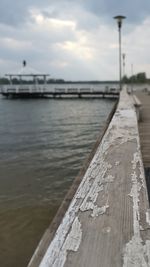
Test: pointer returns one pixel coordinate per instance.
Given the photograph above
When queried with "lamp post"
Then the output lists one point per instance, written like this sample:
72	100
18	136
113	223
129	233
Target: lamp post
119	20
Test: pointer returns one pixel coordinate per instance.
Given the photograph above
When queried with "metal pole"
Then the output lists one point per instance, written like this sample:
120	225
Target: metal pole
119	22
120	62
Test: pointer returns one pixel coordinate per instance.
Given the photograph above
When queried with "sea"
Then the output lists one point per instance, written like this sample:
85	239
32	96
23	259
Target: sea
43	144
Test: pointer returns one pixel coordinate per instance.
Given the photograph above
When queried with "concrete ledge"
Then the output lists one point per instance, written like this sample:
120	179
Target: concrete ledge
108	223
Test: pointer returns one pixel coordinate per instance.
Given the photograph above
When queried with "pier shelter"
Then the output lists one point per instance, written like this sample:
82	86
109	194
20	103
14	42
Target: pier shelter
29	83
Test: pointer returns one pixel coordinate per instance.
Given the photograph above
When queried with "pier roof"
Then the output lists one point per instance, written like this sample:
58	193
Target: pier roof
26	71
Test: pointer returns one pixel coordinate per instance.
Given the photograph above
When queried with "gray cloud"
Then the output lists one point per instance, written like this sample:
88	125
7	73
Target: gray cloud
63	51
17	12
135	10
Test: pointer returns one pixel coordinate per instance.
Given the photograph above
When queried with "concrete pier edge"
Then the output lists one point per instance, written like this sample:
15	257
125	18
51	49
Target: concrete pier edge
107	222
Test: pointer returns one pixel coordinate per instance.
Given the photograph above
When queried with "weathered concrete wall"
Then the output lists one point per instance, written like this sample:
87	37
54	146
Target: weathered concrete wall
108	223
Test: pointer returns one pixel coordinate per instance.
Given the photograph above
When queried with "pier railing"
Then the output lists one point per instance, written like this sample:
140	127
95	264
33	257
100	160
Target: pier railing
53	89
108	220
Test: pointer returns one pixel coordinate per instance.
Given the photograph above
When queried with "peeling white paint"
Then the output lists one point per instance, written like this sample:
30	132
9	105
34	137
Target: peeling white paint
71	243
74	238
100	184
117	163
148	217
106	230
109	179
136	253
99	211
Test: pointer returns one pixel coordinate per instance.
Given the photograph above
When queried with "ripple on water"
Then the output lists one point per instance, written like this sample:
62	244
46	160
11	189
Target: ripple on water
43	144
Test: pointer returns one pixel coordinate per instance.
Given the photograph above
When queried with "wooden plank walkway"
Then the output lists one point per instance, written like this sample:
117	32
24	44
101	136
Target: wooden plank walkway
144	127
108	221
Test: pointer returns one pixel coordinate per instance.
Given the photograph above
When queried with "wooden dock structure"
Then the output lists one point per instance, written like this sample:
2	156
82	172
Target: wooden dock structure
144	132
144	127
57	92
107	223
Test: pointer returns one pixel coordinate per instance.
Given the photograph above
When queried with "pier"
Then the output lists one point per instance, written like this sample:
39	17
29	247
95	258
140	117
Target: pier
105	220
31	84
57	91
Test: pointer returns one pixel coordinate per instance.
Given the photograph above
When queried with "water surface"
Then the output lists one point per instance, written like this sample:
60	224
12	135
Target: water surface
43	144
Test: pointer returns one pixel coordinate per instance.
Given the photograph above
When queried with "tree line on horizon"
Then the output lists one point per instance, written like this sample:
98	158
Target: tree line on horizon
137	78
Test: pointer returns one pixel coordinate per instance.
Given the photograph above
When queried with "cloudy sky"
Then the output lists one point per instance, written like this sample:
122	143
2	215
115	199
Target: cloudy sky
74	39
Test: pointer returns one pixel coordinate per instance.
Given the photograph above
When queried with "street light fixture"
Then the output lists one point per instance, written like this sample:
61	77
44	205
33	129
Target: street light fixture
119	20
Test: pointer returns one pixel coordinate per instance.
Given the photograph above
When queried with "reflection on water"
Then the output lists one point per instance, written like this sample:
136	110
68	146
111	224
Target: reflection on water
43	144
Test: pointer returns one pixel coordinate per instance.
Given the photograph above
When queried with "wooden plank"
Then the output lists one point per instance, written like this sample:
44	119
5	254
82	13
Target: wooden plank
144	127
108	223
